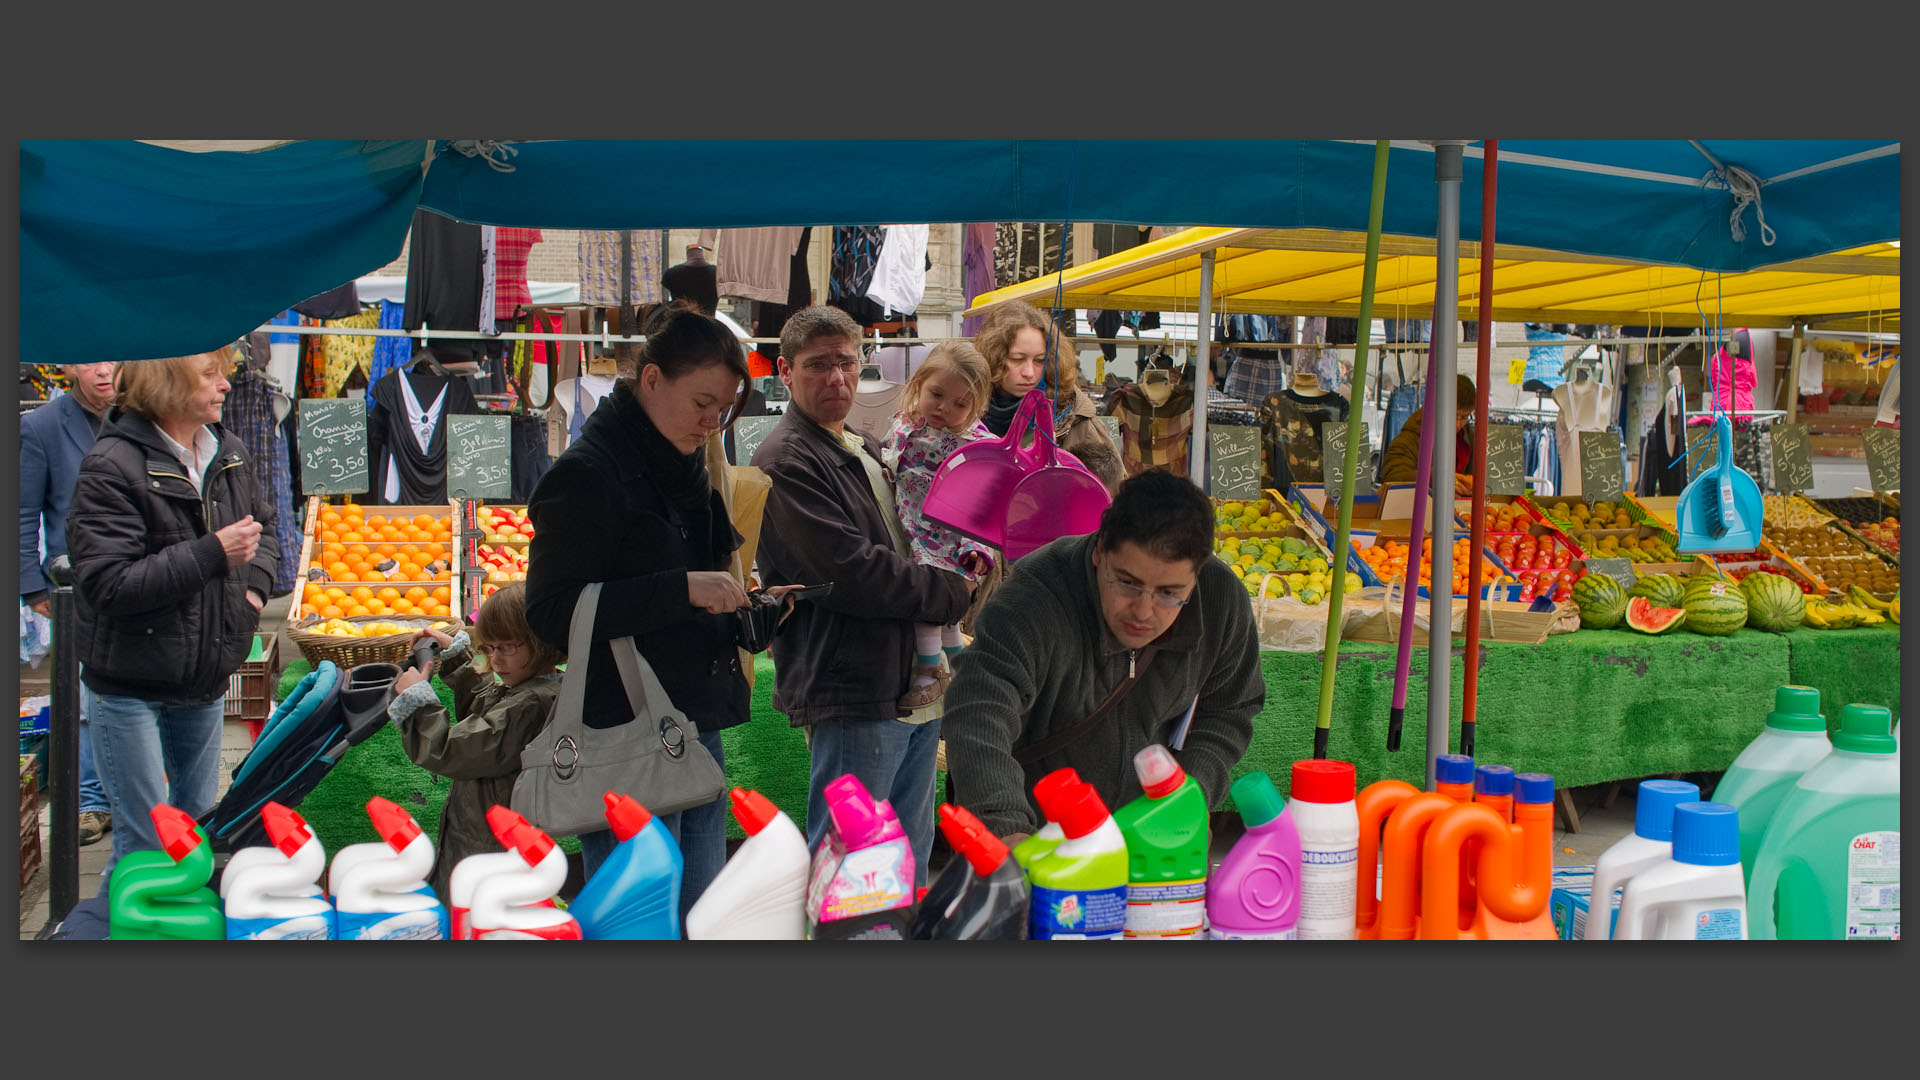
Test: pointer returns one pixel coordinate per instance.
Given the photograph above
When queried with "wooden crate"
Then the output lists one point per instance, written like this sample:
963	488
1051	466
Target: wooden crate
250	689
299	610
30	853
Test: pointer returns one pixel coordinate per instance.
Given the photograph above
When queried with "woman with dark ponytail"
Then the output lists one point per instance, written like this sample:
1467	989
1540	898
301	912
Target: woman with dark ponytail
630	504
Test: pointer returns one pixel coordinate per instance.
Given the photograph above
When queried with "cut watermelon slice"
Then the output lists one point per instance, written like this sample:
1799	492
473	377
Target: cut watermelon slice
1644	617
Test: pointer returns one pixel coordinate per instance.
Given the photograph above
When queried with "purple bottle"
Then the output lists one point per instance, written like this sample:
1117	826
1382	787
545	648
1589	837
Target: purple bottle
1255	895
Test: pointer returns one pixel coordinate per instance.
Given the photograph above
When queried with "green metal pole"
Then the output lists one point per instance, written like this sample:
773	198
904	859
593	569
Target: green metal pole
1336	595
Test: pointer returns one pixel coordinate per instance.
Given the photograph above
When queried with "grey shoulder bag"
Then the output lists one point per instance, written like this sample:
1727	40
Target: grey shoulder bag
567	770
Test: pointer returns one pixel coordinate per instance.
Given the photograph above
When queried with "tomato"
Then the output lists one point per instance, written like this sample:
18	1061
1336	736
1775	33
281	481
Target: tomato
1563	594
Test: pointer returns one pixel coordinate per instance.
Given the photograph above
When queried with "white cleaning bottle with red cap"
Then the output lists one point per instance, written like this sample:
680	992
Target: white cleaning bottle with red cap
1050	835
270	893
635	894
761	894
383	895
470	871
512	904
1079	889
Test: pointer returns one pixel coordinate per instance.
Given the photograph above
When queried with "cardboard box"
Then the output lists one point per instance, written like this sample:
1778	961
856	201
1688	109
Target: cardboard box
1572	890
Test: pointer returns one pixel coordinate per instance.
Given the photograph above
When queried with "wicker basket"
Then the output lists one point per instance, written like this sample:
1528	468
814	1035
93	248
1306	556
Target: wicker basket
346	652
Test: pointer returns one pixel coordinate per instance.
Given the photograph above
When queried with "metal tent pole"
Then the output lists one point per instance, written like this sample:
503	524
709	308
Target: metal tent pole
1203	337
1446	313
63	756
1470	688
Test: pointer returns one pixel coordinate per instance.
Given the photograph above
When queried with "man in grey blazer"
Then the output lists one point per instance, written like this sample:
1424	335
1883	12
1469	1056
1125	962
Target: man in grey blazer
53	439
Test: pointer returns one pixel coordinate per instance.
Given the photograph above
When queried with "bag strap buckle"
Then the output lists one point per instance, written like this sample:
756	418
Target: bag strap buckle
566	770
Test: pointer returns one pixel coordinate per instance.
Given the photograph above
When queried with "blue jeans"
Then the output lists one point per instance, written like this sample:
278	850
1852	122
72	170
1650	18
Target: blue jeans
151	753
701	833
93	794
894	759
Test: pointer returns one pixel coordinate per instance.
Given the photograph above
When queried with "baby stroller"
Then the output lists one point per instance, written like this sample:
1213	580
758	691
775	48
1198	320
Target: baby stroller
329	712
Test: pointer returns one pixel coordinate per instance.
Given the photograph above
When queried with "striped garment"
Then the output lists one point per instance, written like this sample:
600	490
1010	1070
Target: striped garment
511	250
1153	437
600	268
248	413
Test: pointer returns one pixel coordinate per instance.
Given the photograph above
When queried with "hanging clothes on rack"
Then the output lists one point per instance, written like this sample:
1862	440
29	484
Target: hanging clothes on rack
976	269
695	281
249	413
445	272
512	250
756	264
1664	444
388	352
1024	250
900	272
407	431
856	251
602	266
1153	434
1580	410
770	319
1290	430
337	303
340	356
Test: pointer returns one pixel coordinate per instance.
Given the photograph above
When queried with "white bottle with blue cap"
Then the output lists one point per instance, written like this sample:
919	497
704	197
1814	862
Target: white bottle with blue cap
1650	844
1697	895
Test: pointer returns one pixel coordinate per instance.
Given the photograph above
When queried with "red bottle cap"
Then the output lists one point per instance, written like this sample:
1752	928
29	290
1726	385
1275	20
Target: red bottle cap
531	843
1059	780
503	821
983	850
394	825
1160	775
625	816
1081	813
754	810
179	834
286	829
1318	781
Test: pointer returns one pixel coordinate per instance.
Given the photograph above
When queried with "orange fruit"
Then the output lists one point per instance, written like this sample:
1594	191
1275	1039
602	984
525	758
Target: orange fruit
339	571
362	594
329	536
389	594
350	537
416	594
330	612
403	607
358	609
442	595
377	520
410	549
439	611
422	520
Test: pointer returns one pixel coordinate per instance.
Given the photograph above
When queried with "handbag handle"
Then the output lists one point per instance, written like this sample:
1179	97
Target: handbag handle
636	676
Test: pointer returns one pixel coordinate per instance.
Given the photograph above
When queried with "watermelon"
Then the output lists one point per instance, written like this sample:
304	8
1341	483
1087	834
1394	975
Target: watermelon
1714	606
1661	590
1601	601
1774	602
1647	619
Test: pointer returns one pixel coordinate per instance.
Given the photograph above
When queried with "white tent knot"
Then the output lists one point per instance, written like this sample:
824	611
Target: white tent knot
493	151
1745	188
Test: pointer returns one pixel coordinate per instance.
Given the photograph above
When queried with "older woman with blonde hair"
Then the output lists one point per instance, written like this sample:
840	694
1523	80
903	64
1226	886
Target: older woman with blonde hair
1015	340
173	553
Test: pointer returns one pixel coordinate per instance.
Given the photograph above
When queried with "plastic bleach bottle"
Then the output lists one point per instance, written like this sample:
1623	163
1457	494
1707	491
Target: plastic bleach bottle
470	871
761	894
1696	895
863	884
380	890
1255	895
1649	845
1453	776
1794	740
513	905
1323	810
277	898
1167	836
1828	868
1049	836
163	895
1079	889
982	894
635	894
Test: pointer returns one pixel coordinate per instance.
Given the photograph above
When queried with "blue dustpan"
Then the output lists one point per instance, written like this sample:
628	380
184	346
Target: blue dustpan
1720	509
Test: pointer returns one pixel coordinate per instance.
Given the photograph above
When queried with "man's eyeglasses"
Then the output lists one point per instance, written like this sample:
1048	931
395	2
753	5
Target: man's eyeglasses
822	367
1165	598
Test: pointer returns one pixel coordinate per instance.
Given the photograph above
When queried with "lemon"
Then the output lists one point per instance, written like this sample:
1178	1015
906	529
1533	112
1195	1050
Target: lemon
1237	572
1310	595
1274	588
1296	582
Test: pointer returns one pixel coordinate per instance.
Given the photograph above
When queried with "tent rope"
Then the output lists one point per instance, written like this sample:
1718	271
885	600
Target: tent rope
492	151
1745	188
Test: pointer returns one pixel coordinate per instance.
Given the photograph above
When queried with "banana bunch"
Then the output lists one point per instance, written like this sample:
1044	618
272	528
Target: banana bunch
1858	610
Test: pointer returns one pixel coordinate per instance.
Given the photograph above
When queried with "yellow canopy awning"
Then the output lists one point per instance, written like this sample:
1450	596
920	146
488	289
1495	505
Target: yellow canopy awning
1318	272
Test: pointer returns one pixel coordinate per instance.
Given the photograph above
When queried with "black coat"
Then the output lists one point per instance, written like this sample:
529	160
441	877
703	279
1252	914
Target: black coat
599	516
845	655
162	617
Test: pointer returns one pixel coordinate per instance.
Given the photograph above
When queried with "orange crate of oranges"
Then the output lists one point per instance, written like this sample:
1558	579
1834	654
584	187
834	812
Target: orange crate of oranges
395	561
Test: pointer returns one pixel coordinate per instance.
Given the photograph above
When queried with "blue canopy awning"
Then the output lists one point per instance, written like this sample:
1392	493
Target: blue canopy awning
170	252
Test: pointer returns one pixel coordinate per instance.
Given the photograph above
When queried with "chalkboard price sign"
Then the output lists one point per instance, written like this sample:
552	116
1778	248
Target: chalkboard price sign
748	433
1620	570
1333	460
1883	457
1792	458
1506	460
1600	468
1234	465
333	446
1113	429
1702	449
479	457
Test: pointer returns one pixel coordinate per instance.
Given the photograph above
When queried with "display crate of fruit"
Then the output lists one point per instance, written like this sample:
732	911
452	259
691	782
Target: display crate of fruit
377	561
1505	514
1621	518
1793	512
1291	562
1880	537
1837	560
1544	565
1735	566
496	541
1387	557
1303	499
361	639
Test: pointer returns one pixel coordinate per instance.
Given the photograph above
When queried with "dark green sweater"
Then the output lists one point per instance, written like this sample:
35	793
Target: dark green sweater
1042	659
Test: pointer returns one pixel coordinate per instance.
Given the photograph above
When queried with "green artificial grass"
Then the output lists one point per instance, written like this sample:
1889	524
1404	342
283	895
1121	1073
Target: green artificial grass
1584	708
1859	666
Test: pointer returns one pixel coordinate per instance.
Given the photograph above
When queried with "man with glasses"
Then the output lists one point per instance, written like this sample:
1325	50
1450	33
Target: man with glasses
1136	628
843	660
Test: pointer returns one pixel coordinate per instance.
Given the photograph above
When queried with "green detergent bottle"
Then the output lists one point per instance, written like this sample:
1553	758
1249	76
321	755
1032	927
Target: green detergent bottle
1794	740
1079	889
1829	867
163	895
1050	834
1167	835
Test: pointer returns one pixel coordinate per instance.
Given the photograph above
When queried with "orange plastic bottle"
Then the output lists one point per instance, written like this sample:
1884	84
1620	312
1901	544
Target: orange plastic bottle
1513	871
1376	805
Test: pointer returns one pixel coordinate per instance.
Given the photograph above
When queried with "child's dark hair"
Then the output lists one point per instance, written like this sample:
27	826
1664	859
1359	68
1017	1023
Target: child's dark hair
1167	516
503	618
